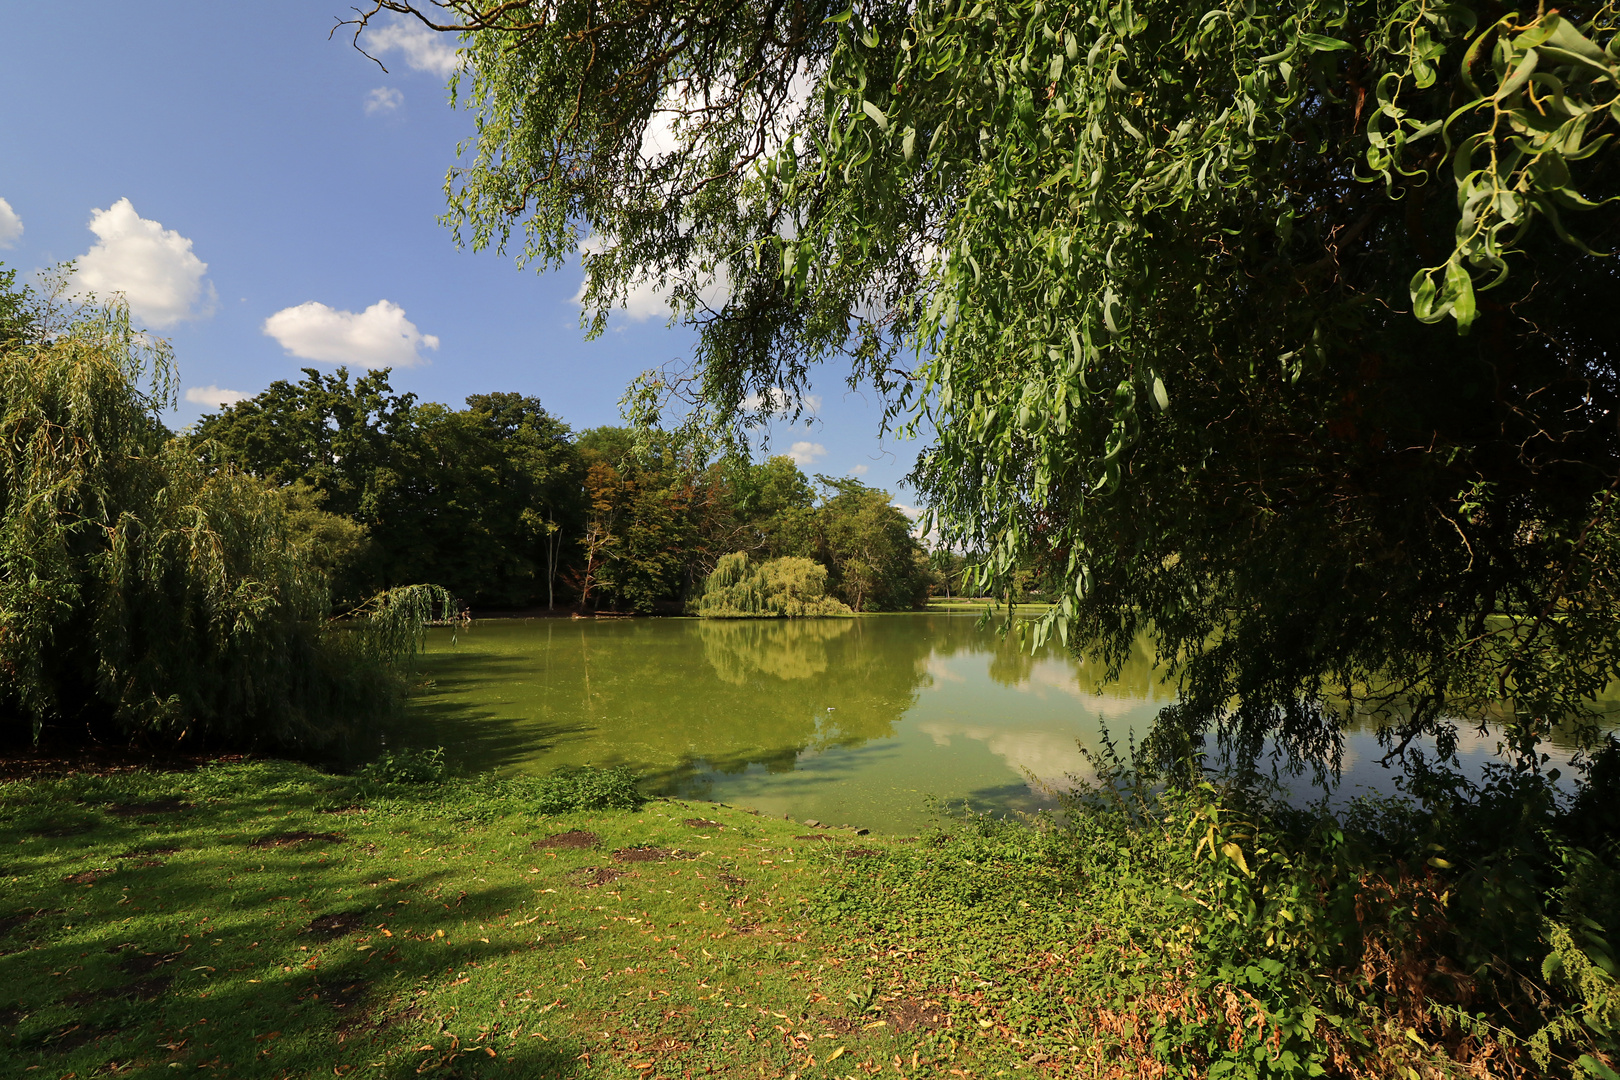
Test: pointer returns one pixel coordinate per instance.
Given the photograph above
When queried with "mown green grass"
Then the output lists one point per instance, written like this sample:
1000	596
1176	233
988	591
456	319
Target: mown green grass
145	936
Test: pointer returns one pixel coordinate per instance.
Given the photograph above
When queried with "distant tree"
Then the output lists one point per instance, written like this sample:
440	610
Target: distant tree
17	310
873	560
337	437
484	499
775	506
640	537
790	587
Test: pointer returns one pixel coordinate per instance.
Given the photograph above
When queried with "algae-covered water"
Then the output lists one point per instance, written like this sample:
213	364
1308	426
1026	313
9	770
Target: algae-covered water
857	721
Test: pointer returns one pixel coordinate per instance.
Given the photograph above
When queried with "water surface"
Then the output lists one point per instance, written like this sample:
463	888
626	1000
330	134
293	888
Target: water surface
856	721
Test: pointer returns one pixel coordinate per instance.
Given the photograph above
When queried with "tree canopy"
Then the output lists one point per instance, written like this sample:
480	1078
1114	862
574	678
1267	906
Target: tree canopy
480	499
1278	334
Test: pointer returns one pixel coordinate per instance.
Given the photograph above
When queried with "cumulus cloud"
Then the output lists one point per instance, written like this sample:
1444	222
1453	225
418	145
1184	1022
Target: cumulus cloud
422	49
859	470
912	512
152	266
380	336
214	396
384	99
806	453
11	227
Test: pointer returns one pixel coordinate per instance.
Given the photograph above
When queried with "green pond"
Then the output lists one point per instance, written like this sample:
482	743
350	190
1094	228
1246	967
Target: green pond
848	721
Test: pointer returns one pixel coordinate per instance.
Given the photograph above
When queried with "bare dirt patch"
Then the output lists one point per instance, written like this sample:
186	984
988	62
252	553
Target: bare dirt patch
146	963
701	823
336	924
88	877
349	1002
589	877
71	760
648	854
142	809
563	841
292	839
814	836
731	881
64	830
141	990
18	919
907	1014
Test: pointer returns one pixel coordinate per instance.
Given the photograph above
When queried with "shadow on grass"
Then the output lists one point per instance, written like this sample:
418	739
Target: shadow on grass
214	954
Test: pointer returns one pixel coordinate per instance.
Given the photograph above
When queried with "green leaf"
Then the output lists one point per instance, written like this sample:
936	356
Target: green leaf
1520	76
1319	43
1422	290
1160	397
876	114
1594	1067
1459	295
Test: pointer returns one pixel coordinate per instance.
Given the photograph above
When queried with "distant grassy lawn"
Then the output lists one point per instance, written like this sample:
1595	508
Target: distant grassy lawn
267	920
967	603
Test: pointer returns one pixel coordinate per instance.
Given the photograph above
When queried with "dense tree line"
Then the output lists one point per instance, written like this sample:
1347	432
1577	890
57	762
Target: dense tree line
506	506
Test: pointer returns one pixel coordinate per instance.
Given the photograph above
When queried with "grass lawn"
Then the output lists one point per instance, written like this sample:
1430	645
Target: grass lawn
264	919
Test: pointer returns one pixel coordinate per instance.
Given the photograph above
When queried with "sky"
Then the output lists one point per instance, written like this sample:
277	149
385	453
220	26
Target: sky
267	198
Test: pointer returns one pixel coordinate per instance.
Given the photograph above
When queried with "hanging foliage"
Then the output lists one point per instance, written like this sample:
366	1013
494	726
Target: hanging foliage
143	595
1277	333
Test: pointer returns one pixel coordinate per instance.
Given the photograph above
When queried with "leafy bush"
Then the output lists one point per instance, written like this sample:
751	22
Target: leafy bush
410	766
1464	929
583	788
791	586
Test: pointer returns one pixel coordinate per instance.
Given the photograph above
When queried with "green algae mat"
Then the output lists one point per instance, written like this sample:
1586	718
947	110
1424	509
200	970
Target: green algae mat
266	920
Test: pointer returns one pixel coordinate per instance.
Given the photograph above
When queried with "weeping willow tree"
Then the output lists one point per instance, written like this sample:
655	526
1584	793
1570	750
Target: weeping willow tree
1280	334
791	587
145	596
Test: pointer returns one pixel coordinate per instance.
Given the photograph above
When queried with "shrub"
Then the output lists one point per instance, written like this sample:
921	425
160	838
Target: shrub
793	587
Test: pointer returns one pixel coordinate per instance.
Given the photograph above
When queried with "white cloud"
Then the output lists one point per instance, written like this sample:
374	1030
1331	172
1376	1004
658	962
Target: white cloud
644	300
152	266
11	226
911	512
777	400
214	396
380	336
859	470
806	453
384	99
426	50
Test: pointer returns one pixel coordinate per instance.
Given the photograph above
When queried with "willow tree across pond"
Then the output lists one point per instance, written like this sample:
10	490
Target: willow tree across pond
1278	331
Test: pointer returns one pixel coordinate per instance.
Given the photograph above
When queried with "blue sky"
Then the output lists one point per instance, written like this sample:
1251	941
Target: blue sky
257	190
